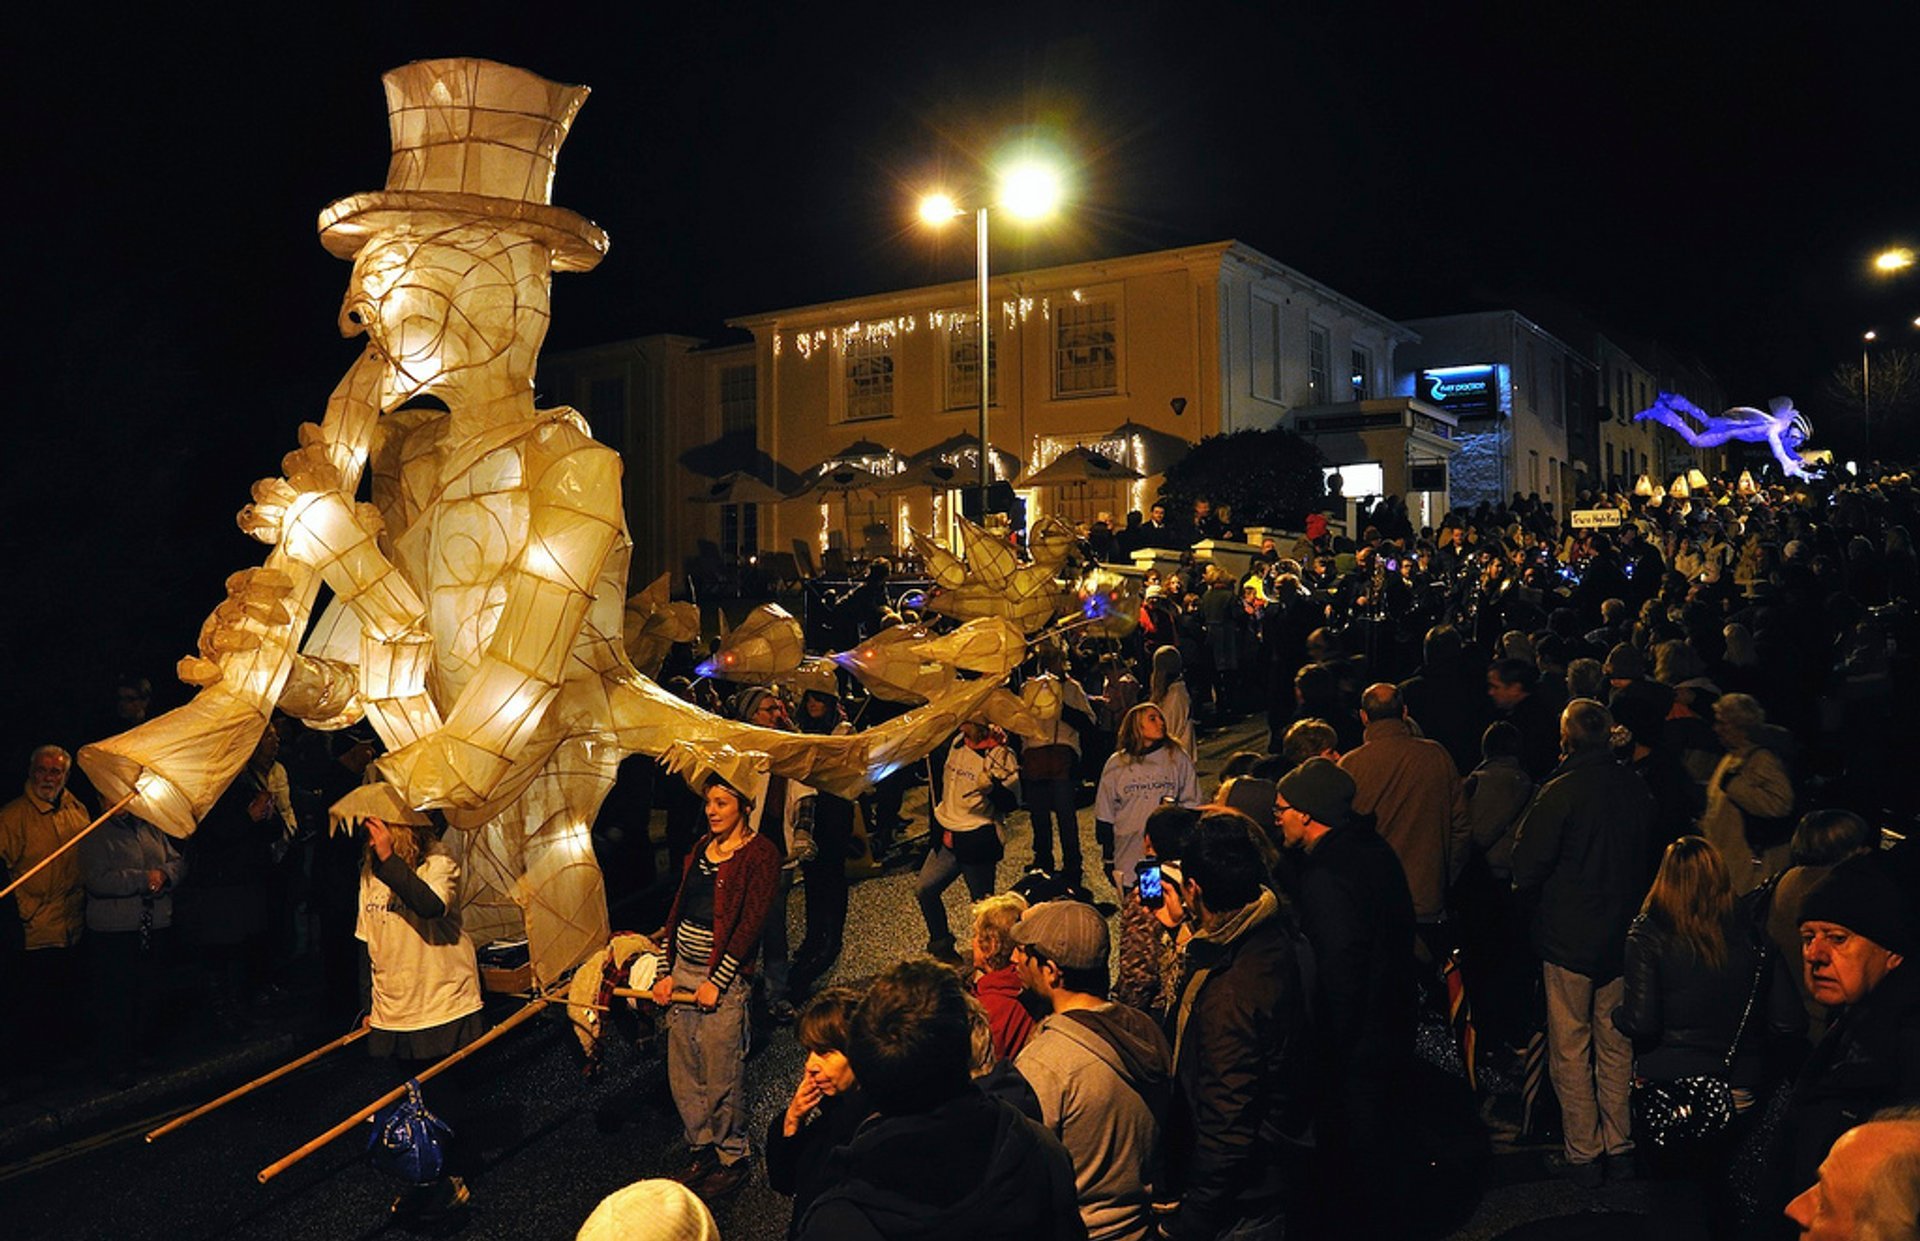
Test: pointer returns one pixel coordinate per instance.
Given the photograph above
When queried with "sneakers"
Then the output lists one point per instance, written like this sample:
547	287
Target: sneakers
1619	1168
723	1179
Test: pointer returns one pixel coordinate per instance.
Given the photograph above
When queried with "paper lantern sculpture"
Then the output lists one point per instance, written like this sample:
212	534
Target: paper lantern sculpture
991	580
1109	602
768	644
907	663
654	622
1782	427
477	602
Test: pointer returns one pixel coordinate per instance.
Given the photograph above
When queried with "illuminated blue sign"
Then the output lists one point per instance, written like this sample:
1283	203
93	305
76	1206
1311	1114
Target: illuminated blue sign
1462	390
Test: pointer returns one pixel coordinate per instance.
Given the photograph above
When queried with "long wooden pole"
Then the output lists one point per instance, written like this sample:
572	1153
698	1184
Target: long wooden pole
46	861
362	1115
257	1082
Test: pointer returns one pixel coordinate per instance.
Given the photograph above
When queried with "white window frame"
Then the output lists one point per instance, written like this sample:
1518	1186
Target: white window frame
958	339
1320	375
1069	305
877	403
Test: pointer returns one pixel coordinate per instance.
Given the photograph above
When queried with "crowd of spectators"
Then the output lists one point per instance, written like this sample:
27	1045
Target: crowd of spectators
1634	793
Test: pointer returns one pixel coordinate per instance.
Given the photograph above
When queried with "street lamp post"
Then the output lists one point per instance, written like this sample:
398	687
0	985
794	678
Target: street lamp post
984	339
1866	393
1030	190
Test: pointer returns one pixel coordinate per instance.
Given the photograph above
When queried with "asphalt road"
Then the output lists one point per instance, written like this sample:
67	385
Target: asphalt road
546	1144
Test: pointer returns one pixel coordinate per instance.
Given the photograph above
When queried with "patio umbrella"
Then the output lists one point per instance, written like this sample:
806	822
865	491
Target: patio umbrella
736	452
1148	450
963	451
1079	466
737	487
842	480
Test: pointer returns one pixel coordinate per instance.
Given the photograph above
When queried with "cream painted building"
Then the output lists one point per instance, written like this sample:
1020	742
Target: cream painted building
1179	343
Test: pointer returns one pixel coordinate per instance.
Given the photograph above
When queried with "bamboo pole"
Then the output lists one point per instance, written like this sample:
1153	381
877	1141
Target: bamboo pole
46	861
257	1082
362	1115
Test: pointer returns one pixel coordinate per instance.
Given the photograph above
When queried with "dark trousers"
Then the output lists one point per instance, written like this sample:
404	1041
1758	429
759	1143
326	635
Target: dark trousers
52	1028
825	892
122	975
1051	803
937	874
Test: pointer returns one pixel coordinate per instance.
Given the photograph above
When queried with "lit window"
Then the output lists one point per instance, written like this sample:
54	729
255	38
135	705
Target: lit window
963	364
1319	366
1362	378
1085	362
869	372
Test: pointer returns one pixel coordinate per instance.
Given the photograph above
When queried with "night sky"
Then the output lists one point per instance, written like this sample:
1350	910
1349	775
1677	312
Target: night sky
1716	182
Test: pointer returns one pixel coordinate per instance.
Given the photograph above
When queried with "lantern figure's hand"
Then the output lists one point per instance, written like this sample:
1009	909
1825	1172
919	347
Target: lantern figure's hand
441	770
255	603
306	512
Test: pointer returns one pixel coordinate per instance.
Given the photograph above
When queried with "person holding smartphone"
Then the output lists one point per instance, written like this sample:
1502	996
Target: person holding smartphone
1147	769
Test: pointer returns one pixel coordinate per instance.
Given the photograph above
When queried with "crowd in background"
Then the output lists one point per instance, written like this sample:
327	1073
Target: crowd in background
1635	793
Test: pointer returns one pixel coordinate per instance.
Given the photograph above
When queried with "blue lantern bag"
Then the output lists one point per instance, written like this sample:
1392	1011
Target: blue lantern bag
408	1141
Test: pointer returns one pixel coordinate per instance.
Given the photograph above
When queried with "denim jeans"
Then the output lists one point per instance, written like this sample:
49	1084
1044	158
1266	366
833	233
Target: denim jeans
1591	1064
937	874
1051	802
707	1065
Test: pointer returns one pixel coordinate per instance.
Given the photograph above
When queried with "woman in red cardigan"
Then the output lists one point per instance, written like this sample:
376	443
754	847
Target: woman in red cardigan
712	932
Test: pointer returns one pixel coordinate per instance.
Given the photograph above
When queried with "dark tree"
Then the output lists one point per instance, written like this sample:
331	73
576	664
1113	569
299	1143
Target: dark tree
1268	478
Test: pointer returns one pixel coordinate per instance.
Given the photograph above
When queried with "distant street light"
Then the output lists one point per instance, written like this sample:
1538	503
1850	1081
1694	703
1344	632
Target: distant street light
1899	258
1030	190
1866	390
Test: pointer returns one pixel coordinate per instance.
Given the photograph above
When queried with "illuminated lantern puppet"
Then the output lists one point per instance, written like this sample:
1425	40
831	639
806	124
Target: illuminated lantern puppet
654	622
476	619
991	580
1110	602
767	645
1784	429
906	663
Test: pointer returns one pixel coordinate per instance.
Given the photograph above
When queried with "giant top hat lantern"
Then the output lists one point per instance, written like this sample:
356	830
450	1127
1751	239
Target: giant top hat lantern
473	140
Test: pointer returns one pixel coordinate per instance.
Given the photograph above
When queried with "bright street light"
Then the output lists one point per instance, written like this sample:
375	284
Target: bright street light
1899	258
1029	189
937	209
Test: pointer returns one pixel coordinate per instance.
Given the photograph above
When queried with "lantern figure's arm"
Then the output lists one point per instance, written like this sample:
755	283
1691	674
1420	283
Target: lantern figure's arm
180	762
574	523
312	517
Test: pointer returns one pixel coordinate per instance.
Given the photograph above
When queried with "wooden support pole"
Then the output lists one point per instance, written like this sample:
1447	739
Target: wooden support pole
257	1082
362	1115
79	836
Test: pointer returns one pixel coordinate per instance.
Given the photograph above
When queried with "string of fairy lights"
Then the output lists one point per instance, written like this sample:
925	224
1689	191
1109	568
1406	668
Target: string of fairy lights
807	342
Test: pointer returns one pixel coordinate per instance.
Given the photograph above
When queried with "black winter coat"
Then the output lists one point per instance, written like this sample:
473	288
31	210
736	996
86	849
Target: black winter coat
1579	853
1869	1059
1681	1012
1357	913
1241	1124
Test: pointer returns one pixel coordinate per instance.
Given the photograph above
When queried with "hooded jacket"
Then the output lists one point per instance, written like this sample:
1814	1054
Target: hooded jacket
971	1169
1103	1077
1240	1127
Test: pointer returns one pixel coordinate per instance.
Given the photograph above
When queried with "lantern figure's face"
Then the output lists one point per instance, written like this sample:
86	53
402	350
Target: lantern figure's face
455	311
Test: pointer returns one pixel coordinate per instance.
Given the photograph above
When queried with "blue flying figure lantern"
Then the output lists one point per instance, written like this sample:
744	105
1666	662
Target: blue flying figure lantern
1784	429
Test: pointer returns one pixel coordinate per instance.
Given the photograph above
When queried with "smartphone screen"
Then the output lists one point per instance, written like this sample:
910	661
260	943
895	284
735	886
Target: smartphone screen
1152	894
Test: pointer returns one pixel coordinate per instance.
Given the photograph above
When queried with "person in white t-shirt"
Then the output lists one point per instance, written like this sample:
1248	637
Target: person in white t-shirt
422	979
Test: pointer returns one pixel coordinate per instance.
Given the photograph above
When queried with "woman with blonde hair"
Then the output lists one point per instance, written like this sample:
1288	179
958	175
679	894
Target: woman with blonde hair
1148	768
1697	977
1168	691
